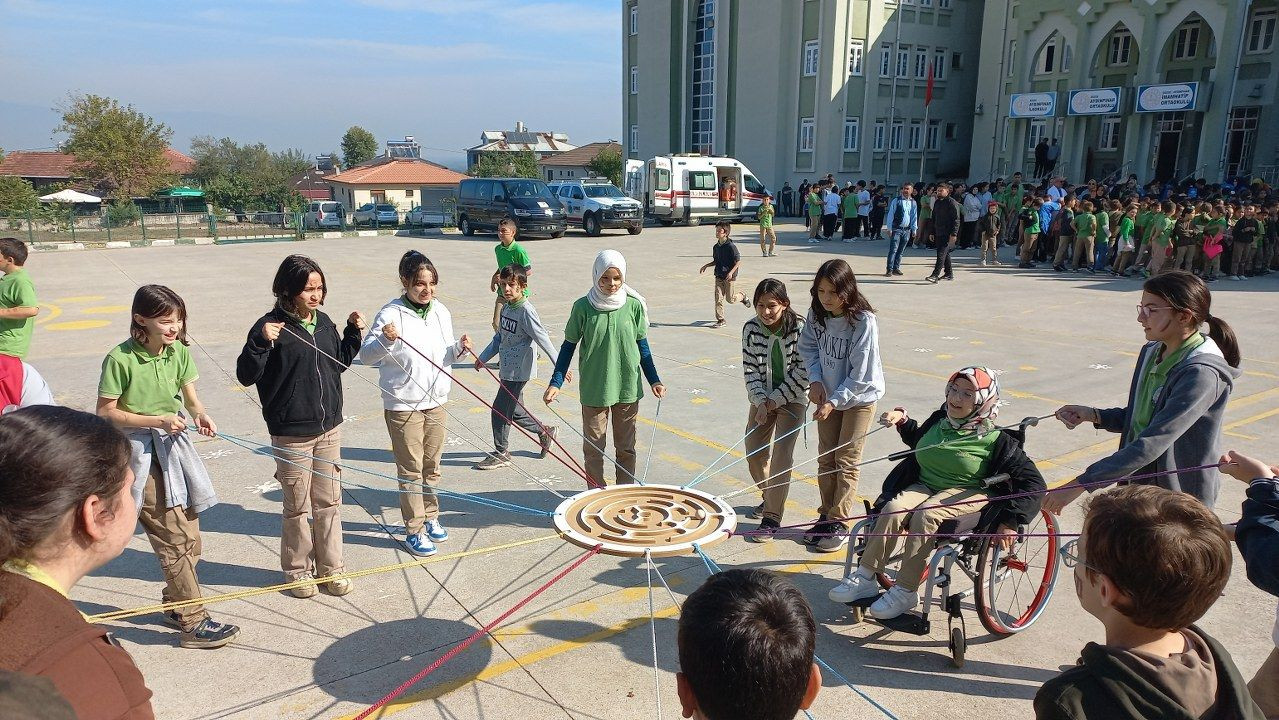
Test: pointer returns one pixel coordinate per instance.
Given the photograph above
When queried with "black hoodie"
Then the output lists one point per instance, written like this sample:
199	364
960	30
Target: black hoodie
300	388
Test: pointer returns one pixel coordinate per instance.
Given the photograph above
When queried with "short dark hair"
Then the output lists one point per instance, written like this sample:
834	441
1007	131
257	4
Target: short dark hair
51	460
14	249
291	279
515	272
728	226
153	301
509	221
1164	549
746	640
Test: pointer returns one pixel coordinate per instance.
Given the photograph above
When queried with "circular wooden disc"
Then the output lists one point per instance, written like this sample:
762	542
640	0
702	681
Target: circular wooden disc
628	520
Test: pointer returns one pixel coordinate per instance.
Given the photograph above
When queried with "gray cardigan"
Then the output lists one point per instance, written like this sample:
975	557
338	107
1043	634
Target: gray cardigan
1185	430
518	330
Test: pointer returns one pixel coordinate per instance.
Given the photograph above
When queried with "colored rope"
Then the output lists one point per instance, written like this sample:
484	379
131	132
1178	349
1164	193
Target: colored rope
652	625
652	441
704	474
791	469
598	449
474	636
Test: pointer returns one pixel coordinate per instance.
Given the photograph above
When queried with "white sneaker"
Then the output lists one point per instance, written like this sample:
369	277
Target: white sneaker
893	603
847	240
853	588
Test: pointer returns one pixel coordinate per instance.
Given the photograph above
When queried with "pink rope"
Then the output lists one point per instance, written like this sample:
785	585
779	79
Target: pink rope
473	637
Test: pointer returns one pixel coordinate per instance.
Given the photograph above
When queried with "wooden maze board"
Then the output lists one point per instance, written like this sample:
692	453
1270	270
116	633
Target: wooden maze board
628	520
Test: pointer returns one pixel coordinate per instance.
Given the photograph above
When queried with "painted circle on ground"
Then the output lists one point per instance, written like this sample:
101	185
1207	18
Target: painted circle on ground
629	520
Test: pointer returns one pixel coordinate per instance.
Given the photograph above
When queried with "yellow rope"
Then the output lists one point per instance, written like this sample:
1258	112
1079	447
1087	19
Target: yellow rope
134	612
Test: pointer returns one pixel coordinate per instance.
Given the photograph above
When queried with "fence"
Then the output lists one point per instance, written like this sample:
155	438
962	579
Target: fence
437	215
52	226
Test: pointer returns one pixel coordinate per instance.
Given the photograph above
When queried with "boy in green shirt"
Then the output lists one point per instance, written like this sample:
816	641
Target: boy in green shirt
814	202
848	211
18	304
1158	237
767	236
508	252
1085	236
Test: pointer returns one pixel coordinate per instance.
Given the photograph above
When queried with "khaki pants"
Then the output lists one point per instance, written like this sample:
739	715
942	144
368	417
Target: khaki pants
175	536
1028	246
989	245
1158	258
1185	258
1084	251
814	226
724	293
595	422
417	440
1265	686
767	238
774	456
836	476
879	547
1064	245
309	495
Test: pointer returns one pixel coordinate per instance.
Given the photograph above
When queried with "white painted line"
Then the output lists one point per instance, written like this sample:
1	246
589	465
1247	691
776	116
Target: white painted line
163	243
366	233
204	241
329	234
119	244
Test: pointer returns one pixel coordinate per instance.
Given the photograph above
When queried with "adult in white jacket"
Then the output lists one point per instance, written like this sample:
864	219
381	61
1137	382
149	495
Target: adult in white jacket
414	390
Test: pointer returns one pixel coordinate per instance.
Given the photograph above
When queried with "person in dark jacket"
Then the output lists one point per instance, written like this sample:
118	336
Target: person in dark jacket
295	357
958	459
1257	536
1148	564
66	509
946	218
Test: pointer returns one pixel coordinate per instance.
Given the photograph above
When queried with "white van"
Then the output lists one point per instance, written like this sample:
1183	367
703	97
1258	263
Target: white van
686	188
324	214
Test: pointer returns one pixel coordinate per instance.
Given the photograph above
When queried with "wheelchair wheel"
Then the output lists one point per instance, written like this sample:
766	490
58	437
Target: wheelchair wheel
1013	588
958	646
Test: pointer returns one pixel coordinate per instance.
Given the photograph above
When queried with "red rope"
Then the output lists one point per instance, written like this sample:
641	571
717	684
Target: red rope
582	473
474	636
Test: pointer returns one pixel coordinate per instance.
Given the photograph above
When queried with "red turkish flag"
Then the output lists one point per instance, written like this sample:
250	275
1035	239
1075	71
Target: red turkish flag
928	94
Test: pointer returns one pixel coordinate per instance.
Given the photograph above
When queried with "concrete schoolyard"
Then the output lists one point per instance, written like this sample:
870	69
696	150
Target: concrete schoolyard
582	649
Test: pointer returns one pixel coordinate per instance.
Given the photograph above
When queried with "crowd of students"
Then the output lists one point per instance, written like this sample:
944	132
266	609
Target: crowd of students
71	483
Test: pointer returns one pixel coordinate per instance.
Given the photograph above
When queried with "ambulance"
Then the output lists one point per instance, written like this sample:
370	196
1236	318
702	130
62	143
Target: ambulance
690	188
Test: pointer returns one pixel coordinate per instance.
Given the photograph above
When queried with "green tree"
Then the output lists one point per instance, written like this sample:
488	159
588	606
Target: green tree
506	164
116	146
607	163
17	196
358	145
246	177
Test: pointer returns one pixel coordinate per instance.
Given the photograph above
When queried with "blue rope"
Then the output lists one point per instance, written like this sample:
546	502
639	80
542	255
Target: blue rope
705	474
711	567
477	499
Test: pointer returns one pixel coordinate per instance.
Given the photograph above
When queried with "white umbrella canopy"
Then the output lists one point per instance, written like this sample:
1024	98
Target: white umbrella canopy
71	196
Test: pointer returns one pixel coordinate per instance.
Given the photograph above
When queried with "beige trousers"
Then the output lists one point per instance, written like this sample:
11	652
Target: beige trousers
175	536
836	474
1264	688
417	440
773	457
883	540
767	239
595	421
314	547
724	293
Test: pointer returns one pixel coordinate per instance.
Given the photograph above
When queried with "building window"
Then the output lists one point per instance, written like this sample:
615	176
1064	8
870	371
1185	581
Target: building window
895	136
877	141
702	107
921	64
903	62
812	57
885	60
1012	57
1109	139
1186	46
939	65
807	134
1065	58
957	61
634	80
1038	131
915	135
943	4
926	3
635	20
1261	30
856	53
1046	63
1241	137
852	134
1120	48
408	193
634	143
952	131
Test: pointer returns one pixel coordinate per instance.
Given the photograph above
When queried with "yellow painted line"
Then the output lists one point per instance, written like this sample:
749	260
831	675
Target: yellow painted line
105	309
1254	398
944	357
1250	420
54	311
1027	368
1241	436
78	325
700	401
81	298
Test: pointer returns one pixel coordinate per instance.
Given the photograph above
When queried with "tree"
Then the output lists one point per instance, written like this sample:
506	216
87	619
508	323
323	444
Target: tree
607	163
358	145
116	146
245	177
17	196
506	164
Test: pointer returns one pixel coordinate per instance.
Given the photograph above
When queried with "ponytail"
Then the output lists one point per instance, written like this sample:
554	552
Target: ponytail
1222	334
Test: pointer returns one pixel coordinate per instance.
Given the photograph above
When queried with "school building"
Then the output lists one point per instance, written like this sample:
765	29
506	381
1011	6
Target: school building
798	88
1165	90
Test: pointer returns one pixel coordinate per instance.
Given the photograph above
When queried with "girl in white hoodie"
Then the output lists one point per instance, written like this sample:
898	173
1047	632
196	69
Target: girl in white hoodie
414	392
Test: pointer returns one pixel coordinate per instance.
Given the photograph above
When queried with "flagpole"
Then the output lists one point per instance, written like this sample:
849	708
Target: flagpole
923	153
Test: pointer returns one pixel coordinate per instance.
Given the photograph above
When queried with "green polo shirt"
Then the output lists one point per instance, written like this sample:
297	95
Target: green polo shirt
1154	374
513	255
849	205
1085	224
421	310
16	290
608	351
776	360
143	383
1125	227
962	463
1159	229
766	213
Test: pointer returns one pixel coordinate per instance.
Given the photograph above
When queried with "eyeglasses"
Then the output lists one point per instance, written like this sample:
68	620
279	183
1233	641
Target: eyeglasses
1070	556
1144	310
952	389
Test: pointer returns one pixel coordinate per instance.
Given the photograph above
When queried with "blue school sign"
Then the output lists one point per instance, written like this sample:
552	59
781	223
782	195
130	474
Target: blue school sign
1094	101
1168	98
1031	105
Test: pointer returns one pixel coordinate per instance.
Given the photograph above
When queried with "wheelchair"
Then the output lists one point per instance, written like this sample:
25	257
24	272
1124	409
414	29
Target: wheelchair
1010	589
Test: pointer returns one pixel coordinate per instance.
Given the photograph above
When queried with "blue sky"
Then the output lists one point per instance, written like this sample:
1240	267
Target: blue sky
298	73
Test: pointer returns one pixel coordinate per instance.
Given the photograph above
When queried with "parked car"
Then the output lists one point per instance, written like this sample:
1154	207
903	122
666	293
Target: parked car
482	202
421	216
596	204
323	214
376	214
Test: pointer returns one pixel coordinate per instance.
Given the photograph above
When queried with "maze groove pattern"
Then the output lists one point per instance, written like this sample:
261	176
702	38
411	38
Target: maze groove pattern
628	520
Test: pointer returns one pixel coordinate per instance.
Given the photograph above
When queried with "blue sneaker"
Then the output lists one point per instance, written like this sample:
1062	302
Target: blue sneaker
420	545
436	531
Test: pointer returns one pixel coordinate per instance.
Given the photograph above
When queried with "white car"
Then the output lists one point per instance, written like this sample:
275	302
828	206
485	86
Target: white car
422	217
597	204
324	214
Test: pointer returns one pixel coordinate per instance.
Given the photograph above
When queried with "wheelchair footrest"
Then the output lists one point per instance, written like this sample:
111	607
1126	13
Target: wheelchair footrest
908	623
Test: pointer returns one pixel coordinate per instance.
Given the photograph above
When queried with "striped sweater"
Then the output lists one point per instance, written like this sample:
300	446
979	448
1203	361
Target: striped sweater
757	366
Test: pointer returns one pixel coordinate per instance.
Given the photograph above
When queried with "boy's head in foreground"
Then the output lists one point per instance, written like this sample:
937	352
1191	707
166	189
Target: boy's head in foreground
746	641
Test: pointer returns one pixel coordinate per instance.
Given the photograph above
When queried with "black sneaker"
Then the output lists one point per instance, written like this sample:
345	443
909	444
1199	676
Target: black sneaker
898	272
765	532
815	531
208	635
932	279
1025	266
834	537
545	438
493	461
947	277
756	512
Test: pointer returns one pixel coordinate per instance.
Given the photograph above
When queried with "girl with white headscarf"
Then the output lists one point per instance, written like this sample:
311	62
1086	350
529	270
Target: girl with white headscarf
610	323
955	452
